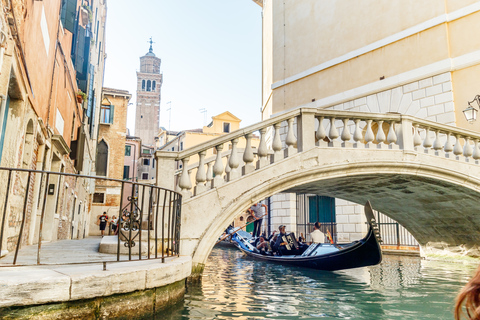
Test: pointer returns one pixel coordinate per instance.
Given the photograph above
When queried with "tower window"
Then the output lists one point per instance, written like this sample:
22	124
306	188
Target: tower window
143	85
149	85
154	85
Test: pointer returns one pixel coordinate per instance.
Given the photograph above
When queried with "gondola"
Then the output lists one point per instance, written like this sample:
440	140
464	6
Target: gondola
330	257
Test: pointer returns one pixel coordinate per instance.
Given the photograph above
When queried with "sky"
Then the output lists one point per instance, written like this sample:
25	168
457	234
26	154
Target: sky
210	51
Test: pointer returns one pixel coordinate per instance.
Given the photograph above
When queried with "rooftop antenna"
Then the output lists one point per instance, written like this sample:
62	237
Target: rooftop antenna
169	113
204	111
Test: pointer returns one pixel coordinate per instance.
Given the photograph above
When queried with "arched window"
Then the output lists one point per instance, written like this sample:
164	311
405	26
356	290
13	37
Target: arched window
154	85
143	85
149	85
102	158
241	218
28	148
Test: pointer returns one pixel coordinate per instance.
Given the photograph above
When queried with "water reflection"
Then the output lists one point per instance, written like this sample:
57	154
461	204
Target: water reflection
237	287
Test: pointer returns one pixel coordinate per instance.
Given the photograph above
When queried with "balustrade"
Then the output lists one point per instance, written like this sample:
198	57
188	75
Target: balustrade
358	130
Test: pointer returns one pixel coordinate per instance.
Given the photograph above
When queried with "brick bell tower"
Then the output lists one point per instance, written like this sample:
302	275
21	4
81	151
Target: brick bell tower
149	84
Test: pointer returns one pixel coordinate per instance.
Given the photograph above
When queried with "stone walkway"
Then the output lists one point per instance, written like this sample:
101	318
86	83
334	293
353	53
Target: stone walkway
63	252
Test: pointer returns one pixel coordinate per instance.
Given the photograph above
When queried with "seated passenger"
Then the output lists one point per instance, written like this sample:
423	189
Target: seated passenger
262	245
317	235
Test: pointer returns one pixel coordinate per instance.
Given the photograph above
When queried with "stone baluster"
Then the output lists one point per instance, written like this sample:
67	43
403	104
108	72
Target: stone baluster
209	172
333	133
476	151
357	135
467	149
291	140
346	136
276	145
380	134
227	167
185	183
457	149
262	152
201	175
392	136
427	143
417	140
234	161
448	147
320	134
218	168
248	156
369	135
437	144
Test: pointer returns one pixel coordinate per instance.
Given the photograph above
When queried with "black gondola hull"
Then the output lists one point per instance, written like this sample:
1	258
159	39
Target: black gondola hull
362	253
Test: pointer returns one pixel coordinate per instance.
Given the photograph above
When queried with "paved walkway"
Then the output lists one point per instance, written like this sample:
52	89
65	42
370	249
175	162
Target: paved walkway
63	252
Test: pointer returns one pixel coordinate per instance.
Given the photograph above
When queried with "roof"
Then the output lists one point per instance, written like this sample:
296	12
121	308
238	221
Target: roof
226	114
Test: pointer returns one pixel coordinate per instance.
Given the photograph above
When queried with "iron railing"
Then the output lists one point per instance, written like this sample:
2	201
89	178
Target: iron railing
393	233
41	206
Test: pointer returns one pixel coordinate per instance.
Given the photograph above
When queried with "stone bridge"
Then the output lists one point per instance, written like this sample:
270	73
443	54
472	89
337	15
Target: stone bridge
423	174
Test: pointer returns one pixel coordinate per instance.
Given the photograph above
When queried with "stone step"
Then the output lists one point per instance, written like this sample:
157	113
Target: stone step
124	234
109	244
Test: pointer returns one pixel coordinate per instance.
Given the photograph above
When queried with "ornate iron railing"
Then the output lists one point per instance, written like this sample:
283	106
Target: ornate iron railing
45	206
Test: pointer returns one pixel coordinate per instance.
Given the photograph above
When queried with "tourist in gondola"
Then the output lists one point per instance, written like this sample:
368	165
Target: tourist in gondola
317	235
262	245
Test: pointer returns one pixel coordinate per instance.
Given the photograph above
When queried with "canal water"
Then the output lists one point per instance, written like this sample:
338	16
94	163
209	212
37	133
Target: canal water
238	287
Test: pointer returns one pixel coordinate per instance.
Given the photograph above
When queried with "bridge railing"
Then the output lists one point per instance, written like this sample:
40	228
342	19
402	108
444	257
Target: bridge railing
302	129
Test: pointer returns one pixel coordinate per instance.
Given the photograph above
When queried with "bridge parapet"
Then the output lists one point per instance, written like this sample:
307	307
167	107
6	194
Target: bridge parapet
308	128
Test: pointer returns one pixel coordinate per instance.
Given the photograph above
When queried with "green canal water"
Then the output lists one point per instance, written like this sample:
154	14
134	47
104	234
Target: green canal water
237	287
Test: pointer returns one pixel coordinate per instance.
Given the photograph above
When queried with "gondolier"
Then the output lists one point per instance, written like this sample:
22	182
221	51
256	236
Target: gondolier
258	210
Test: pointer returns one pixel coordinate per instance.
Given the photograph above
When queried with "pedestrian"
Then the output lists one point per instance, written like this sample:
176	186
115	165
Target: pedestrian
258	211
102	221
114	224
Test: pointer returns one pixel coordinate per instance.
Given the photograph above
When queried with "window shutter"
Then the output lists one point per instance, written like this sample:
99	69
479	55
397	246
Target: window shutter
111	113
69	12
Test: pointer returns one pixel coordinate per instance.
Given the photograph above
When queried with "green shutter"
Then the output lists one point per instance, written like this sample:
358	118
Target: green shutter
112	107
69	12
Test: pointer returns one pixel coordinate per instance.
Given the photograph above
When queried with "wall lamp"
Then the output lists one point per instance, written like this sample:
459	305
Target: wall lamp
471	112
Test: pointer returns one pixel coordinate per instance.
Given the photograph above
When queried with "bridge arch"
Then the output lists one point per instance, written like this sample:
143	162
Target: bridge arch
442	195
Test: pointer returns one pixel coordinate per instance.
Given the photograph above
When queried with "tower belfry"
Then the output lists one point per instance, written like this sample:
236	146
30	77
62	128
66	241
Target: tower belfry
149	84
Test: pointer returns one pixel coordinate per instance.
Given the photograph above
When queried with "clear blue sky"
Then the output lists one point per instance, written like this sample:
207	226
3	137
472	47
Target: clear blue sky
210	51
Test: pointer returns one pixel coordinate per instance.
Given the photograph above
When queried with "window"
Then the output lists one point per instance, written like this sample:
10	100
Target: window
146	162
145	176
149	85
181	146
241	218
153	163
102	158
98	197
128	150
143	85
154	85
69	12
106	114
226	127
321	209
147	151
126	172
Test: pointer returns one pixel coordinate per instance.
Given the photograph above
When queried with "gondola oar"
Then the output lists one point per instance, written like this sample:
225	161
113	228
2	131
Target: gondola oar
231	234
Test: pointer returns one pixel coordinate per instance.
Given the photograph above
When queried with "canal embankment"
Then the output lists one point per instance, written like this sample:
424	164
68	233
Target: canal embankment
91	290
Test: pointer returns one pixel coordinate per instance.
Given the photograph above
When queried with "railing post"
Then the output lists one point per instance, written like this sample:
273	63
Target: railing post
201	175
305	131
166	169
405	135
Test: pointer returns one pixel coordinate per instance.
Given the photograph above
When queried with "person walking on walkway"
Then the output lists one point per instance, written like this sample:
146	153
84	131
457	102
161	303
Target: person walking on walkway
102	221
258	211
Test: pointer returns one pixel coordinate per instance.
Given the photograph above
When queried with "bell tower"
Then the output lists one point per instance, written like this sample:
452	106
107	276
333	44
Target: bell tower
149	84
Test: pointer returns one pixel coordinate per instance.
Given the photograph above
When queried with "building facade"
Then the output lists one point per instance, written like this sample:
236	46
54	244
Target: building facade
110	157
49	50
149	85
406	57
